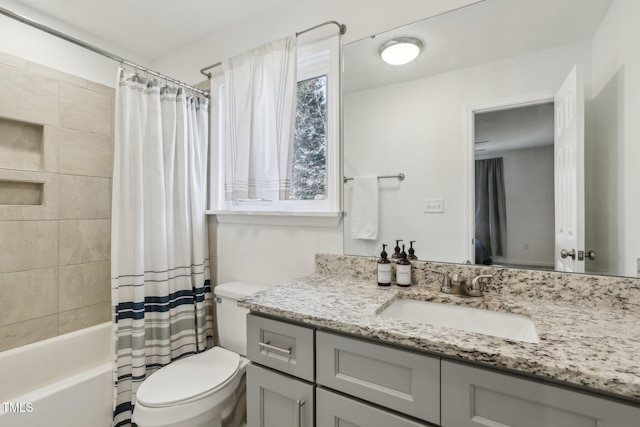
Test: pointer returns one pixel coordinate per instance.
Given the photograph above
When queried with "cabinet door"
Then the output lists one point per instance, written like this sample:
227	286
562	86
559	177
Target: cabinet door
275	400
401	380
282	346
333	410
476	397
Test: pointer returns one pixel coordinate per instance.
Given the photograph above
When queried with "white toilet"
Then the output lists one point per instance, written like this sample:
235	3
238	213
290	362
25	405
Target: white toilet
204	389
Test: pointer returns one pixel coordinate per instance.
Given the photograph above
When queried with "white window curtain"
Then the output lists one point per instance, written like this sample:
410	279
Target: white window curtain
260	112
161	295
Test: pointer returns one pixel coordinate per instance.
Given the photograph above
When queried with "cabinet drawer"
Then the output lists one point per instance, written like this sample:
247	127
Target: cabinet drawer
282	346
334	410
275	400
401	380
476	397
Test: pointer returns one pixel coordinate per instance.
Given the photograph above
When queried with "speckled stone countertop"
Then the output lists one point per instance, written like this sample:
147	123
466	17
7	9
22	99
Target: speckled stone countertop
591	339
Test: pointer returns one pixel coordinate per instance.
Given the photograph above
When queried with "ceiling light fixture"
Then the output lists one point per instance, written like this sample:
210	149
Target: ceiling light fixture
401	50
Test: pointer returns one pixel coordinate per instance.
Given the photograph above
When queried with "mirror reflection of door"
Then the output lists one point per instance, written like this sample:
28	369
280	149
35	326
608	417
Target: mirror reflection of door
514	187
569	174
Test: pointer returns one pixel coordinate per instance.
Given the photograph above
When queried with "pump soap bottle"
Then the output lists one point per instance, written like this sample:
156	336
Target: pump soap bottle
412	252
403	271
396	251
384	268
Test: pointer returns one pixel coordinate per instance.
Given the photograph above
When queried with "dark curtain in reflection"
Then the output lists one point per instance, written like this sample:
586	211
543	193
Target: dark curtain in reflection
491	213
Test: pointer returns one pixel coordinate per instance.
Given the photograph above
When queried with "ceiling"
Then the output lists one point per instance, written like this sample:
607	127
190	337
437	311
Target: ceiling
514	128
151	28
487	31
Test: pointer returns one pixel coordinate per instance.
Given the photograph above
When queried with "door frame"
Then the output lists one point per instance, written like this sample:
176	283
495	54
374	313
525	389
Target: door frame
469	154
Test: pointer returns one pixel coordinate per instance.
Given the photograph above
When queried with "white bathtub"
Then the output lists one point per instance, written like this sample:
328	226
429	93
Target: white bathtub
64	381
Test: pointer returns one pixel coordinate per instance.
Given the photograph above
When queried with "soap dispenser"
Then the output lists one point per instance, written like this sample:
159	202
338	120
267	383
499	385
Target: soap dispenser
396	253
384	268
403	271
412	253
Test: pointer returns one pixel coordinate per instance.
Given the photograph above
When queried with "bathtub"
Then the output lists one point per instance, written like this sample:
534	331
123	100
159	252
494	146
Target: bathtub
64	381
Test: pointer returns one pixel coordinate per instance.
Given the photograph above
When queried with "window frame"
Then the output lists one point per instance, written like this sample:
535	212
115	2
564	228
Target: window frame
314	59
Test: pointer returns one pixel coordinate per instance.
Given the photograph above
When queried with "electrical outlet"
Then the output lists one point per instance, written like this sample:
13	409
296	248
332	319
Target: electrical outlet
433	205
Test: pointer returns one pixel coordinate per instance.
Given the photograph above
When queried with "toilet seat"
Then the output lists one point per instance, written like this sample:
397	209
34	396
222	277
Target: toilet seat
189	379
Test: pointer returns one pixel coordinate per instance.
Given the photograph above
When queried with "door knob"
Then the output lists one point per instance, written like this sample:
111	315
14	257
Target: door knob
564	253
591	255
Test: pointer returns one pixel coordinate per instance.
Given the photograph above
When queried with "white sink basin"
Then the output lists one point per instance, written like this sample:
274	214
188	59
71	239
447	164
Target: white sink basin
494	323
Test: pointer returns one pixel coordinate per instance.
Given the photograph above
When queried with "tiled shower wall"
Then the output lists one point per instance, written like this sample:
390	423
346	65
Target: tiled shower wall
56	144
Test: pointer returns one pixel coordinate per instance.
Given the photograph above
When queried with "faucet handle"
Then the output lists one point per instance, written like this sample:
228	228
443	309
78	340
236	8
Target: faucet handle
476	286
446	281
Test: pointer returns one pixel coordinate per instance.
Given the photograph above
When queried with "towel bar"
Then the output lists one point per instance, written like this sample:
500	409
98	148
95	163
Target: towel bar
399	176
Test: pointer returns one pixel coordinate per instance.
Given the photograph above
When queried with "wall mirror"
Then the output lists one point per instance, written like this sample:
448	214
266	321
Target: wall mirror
504	80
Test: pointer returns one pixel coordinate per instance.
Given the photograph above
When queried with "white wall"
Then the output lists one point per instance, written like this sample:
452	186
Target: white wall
26	42
272	254
616	84
418	128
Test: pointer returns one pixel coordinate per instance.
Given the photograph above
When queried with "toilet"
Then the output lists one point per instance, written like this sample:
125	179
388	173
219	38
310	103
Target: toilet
204	389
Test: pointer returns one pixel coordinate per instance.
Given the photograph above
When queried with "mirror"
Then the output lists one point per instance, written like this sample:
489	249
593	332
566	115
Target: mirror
478	66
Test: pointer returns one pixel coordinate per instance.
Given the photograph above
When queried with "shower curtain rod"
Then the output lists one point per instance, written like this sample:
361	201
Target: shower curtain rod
97	50
342	27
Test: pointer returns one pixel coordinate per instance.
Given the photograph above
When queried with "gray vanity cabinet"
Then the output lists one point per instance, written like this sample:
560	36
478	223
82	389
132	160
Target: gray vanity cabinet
335	410
364	383
476	397
282	346
276	400
401	380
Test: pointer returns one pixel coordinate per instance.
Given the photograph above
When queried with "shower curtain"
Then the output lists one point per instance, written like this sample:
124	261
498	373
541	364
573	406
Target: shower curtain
162	303
491	210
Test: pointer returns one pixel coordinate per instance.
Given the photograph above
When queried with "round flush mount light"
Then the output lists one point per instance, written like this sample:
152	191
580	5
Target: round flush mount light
401	50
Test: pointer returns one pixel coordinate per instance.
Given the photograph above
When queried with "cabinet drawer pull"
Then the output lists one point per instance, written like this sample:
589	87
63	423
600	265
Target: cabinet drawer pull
268	346
298	414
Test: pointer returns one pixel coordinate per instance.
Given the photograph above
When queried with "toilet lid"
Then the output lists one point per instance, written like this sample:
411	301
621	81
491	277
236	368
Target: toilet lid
188	378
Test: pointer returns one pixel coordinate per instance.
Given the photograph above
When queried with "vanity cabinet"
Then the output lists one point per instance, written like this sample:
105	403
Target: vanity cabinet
401	380
335	410
300	376
476	397
282	346
276	400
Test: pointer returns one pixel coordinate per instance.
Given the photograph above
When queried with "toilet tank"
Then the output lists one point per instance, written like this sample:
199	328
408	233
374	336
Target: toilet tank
232	320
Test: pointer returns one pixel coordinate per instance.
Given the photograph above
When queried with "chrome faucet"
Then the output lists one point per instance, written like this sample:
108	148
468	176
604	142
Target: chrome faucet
457	284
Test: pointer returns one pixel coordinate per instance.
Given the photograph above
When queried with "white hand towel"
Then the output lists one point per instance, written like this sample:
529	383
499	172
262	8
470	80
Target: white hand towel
364	208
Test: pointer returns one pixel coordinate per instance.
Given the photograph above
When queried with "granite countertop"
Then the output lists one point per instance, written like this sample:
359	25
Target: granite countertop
589	346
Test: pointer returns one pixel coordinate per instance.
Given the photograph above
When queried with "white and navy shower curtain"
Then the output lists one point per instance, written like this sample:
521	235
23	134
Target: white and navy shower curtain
162	303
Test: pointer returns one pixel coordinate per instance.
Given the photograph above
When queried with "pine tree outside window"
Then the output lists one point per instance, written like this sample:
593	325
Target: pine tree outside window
309	166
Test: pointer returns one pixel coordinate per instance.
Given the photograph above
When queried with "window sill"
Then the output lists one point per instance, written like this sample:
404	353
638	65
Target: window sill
279	218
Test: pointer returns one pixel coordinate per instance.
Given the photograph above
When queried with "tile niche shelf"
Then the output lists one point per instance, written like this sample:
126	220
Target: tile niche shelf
21	152
20	193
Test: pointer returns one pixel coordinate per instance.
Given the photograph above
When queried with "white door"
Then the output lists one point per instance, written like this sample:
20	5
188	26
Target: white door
569	173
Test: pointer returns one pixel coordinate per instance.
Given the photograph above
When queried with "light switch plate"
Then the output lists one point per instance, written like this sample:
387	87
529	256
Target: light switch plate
433	205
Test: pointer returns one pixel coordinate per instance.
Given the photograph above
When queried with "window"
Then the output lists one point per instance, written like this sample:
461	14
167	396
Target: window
315	181
309	163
